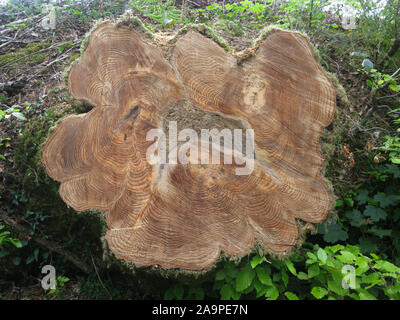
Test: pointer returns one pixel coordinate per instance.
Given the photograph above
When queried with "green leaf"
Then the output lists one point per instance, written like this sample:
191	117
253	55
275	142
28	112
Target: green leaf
302	276
313	271
19	115
362	263
220	275
230	270
272	293
312	256
263	276
365	295
29	259
386	266
290	266
339	203
375	213
362	196
16	242
319	292
285	277
385	200
355	217
335	233
393	169
36	254
349	201
335	248
244	278
322	256
368	245
226	292
346	257
256	260
169	294
380	232
178	291
372	279
336	287
291	296
260	288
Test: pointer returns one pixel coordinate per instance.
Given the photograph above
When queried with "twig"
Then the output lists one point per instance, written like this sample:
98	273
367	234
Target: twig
12	40
39	51
375	90
54	247
98	276
387	97
62	57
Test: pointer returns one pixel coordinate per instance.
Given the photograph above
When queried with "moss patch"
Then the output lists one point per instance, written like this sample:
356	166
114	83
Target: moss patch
203	29
26	55
131	21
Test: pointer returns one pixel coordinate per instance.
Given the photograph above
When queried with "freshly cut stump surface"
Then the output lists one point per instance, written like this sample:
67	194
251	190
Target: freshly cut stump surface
185	215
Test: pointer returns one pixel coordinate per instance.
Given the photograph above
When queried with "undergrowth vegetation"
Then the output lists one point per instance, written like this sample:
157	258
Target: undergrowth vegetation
353	255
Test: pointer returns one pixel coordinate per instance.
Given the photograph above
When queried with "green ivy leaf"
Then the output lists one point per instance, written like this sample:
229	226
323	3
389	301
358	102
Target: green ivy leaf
319	292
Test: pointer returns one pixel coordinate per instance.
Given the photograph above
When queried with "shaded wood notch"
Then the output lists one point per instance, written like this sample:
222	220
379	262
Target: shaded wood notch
184	216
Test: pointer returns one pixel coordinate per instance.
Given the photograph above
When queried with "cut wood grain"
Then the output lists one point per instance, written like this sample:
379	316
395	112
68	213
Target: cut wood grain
184	216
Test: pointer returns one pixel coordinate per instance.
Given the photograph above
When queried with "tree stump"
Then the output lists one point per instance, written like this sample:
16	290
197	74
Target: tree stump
183	215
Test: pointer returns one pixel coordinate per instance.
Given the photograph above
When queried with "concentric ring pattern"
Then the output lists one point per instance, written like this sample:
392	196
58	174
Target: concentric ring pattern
184	216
